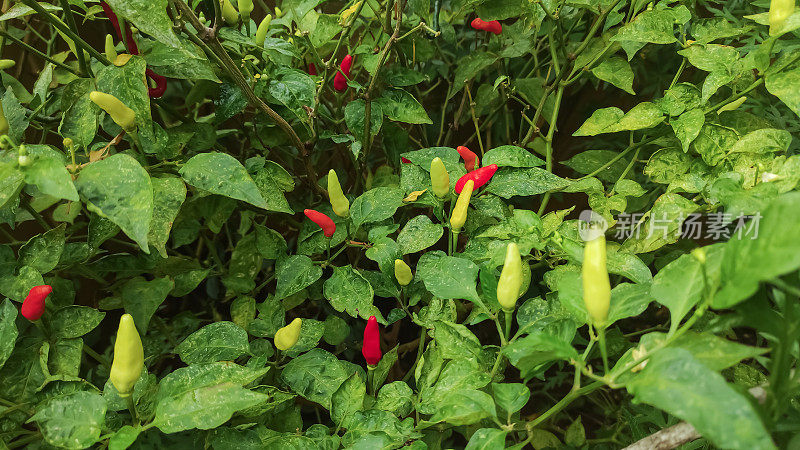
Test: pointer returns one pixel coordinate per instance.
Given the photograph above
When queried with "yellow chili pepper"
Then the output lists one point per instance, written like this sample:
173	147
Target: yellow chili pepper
510	278
286	337
340	203
111	52
459	216
402	272
261	32
440	179
245	8
128	357
7	64
229	13
779	11
3	121
596	286
121	114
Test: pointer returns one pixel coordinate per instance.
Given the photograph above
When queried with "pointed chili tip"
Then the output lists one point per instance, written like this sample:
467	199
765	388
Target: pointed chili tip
34	304
322	220
371	348
479	176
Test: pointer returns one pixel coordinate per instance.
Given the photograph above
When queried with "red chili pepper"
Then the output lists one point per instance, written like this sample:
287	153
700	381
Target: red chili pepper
343	74
312	69
470	158
33	306
133	49
371	349
479	176
492	26
324	222
405	160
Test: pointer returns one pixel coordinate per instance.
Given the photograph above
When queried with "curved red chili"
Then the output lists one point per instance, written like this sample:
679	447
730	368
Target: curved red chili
312	69
324	222
470	158
343	74
33	306
371	348
405	160
479	176
492	26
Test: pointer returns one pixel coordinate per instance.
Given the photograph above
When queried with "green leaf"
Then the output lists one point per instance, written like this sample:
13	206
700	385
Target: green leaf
530	353
375	205
783	85
11	182
616	71
125	83
119	189
654	26
8	330
222	174
509	182
511	397
611	120
79	119
766	140
675	381
74	321
418	234
73	420
142	298
511	156
15	114
273	182
219	341
576	434
150	17
51	177
204	408
187	379
464	407
315	375
774	252
687	126
244	265
448	276
348	399
469	67
187	62
168	196
487	439
294	274
123	438
396	398
43	251
354	114
400	106
348	291
294	89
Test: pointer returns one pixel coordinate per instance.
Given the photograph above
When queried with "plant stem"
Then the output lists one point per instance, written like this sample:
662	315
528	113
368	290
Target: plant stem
601	340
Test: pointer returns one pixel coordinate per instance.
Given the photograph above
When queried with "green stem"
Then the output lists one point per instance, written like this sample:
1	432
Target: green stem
40	54
65	6
132	409
65	29
564	402
96	356
601	340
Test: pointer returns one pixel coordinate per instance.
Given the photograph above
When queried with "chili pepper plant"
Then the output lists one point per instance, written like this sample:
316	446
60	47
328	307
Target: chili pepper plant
424	224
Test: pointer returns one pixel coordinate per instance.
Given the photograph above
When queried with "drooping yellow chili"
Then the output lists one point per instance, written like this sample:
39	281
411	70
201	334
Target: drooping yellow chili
245	8
111	52
510	278
459	216
440	179
229	13
402	272
286	337
596	285
779	11
261	32
128	357
339	203
7	64
119	112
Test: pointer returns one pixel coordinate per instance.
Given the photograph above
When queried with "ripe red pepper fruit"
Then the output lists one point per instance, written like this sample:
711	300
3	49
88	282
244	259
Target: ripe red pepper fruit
371	349
492	26
312	69
480	177
340	79
405	160
33	306
470	158
324	222
133	49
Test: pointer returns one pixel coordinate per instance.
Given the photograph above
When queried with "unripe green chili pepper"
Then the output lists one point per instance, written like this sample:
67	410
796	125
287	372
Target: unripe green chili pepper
245	8
459	216
779	11
510	278
120	114
128	357
261	32
111	52
596	286
229	13
286	337
402	272
7	64
339	203
3	121
440	179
